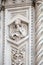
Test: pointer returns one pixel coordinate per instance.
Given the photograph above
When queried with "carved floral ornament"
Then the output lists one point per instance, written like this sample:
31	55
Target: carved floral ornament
18	28
18	56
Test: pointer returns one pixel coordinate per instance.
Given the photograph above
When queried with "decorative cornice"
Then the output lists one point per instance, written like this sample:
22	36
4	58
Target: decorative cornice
5	4
11	4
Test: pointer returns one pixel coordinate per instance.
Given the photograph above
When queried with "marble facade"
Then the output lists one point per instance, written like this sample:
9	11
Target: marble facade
21	36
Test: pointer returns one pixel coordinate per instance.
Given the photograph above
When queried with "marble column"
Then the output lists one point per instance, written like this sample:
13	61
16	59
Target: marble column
39	33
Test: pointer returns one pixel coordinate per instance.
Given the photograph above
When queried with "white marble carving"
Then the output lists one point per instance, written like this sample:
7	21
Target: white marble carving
18	36
18	30
18	56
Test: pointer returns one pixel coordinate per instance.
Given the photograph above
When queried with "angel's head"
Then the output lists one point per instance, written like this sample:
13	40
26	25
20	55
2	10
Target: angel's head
17	22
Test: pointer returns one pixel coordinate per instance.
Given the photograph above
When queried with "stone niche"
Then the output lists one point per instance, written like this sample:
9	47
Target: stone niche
18	37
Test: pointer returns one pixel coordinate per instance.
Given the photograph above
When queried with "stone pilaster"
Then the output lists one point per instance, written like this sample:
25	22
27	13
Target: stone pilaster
31	31
32	35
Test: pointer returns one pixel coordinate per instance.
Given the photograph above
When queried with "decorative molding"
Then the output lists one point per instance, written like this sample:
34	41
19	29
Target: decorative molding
17	37
18	16
19	42
18	29
22	11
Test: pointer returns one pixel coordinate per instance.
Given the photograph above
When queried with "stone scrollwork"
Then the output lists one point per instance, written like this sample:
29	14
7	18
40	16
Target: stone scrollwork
18	30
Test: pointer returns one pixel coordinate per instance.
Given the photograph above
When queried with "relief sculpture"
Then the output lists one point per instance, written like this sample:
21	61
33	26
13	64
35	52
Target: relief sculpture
18	35
19	30
18	57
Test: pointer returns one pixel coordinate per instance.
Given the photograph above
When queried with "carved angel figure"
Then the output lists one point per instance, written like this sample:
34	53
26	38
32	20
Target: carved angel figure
19	32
